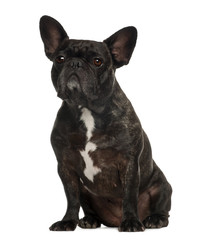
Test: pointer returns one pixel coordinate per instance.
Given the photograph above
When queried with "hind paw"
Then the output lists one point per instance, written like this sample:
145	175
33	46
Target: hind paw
156	221
89	222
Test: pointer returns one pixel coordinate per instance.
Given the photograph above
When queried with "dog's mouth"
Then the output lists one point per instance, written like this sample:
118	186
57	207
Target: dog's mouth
77	86
70	89
73	83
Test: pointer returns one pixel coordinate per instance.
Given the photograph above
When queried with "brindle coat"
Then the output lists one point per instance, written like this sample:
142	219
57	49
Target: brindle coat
128	191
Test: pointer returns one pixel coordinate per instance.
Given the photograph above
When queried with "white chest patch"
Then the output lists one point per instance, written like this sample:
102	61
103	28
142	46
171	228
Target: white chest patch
90	170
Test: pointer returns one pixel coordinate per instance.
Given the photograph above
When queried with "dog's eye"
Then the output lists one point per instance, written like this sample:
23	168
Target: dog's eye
97	62
60	59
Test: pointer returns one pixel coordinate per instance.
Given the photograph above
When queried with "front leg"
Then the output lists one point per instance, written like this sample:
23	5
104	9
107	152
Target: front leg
71	186
130	220
68	176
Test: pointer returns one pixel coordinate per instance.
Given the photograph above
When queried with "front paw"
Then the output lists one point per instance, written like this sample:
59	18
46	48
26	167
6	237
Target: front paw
64	226
131	225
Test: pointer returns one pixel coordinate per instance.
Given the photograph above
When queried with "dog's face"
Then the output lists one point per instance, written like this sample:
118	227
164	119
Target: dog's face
83	71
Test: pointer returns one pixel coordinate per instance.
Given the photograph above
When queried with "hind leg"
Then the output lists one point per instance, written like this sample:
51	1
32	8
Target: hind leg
90	220
160	202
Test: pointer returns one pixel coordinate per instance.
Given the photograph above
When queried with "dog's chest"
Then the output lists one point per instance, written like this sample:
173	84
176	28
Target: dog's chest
90	170
97	159
93	151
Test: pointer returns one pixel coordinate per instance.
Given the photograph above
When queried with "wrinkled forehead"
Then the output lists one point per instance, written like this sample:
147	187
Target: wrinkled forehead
84	47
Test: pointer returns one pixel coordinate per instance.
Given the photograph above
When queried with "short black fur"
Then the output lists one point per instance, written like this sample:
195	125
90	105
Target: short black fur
129	191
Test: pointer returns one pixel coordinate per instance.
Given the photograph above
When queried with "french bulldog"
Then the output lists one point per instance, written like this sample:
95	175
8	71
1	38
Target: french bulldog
104	156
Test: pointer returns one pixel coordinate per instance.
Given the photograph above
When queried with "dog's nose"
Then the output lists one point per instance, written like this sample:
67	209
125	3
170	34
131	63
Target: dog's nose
76	64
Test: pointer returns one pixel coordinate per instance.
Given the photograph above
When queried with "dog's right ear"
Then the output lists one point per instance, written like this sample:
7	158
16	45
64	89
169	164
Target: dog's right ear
52	34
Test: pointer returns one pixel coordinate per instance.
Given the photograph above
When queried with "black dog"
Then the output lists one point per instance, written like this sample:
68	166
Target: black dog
104	156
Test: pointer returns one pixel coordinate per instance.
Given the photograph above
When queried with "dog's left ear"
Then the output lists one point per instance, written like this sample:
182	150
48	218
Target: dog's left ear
121	45
52	34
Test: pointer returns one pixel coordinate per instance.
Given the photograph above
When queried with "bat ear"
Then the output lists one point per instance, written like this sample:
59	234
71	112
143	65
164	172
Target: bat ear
121	45
52	34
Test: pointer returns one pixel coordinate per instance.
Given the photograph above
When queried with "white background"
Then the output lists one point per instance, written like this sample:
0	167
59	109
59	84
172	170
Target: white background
160	81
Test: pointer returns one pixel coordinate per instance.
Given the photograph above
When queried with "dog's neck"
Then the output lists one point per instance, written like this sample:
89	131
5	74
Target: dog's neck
98	106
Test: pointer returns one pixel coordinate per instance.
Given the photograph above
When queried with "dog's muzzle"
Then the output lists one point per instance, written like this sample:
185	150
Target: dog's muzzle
69	83
73	83
69	87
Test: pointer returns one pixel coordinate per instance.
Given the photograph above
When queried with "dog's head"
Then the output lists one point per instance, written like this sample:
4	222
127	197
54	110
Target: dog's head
83	71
